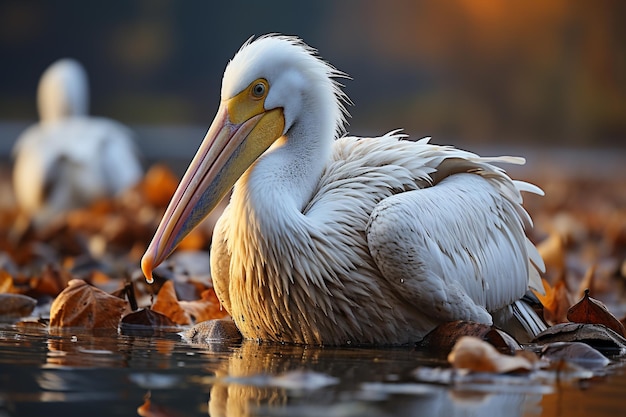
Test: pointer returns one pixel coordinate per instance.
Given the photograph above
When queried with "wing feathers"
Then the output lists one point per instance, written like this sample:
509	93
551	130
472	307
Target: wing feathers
460	233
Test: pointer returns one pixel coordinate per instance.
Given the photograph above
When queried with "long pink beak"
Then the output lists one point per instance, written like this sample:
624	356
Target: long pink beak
211	174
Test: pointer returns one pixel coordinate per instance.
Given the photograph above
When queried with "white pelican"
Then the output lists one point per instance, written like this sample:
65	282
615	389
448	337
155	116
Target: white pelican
345	240
69	159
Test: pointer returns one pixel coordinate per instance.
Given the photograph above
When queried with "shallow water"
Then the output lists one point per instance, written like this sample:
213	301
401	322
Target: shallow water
125	375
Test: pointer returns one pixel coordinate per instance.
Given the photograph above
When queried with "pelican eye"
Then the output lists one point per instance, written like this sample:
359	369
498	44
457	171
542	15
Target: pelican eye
259	89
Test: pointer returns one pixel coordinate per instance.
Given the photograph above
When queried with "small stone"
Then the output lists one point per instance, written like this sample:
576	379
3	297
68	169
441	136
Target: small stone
212	331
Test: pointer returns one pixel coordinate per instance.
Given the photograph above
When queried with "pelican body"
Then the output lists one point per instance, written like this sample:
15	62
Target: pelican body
70	159
335	240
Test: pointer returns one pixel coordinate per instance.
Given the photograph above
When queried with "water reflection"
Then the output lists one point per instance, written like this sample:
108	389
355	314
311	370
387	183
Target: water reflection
122	375
370	384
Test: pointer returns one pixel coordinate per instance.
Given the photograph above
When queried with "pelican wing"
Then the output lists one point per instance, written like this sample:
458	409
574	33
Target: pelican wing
446	226
455	250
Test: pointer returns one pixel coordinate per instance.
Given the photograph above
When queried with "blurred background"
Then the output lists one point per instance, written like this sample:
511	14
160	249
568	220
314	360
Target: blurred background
473	73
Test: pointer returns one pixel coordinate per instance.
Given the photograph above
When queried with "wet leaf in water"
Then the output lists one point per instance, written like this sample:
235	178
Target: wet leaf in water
576	352
590	310
476	355
147	319
25	325
442	339
595	335
15	306
82	305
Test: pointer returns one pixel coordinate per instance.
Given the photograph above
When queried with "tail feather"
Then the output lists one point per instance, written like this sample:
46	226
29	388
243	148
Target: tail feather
520	319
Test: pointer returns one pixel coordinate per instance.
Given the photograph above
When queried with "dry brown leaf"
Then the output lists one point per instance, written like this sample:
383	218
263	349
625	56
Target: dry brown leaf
598	336
82	305
52	281
15	306
444	337
206	308
476	355
167	304
146	319
590	310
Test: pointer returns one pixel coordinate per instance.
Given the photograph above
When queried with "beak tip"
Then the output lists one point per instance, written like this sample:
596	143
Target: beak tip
147	265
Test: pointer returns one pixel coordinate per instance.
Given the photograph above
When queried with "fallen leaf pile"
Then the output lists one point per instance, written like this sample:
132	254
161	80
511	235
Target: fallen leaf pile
82	270
580	231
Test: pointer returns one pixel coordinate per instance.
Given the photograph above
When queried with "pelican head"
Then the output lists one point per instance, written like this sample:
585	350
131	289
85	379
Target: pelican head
63	91
266	87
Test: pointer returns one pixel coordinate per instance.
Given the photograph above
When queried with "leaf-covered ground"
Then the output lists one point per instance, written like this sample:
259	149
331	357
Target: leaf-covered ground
83	270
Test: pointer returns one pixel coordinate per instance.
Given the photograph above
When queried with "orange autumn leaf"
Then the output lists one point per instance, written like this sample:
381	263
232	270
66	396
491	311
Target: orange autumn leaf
590	310
556	301
82	305
188	312
99	278
587	283
552	251
6	282
167	304
158	185
206	308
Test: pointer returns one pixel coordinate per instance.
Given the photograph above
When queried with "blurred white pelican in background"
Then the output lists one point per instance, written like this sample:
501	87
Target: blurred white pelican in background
70	159
343	240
